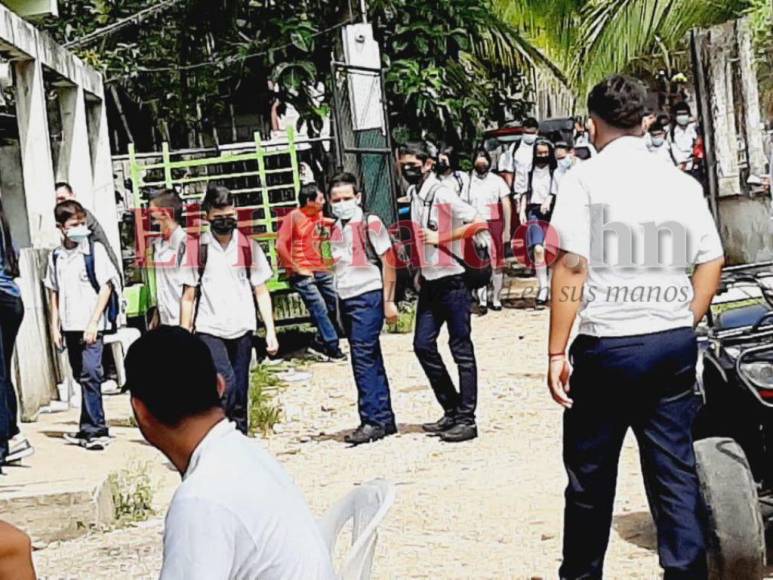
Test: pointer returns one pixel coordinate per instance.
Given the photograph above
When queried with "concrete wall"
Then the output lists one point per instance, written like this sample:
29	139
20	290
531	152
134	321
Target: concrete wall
746	229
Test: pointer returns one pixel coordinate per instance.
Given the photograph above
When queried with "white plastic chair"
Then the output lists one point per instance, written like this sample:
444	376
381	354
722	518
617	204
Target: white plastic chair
366	506
119	342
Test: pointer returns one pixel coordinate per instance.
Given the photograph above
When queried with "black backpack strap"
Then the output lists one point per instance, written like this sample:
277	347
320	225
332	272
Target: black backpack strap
91	272
247	255
203	255
370	249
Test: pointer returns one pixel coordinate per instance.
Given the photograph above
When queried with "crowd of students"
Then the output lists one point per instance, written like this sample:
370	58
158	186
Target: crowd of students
236	513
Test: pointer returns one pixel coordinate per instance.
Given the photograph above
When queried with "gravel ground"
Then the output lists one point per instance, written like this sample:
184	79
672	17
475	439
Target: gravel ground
491	508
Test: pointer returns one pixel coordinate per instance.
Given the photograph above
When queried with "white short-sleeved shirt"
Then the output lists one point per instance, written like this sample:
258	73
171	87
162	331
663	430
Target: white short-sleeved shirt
238	516
448	212
226	306
354	273
77	297
662	152
609	210
174	270
543	185
518	160
682	142
459	181
485	194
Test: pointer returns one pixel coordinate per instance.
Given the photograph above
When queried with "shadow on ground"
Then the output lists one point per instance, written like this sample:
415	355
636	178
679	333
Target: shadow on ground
637	528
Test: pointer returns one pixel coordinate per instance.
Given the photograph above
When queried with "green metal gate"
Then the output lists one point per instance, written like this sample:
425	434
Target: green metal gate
265	181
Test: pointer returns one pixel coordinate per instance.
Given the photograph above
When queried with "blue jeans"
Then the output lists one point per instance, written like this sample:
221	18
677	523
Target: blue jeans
86	364
646	383
232	362
11	315
319	295
363	318
447	301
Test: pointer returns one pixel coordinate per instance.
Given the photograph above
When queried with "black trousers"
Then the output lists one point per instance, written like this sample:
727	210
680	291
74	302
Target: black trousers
11	315
646	383
447	301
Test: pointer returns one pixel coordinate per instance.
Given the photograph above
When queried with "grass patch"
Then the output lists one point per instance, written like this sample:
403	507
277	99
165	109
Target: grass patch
264	411
404	324
132	493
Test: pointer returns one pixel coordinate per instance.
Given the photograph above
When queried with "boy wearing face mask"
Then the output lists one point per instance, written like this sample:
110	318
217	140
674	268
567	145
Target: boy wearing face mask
448	172
365	282
657	144
231	281
440	217
683	136
564	160
77	315
298	246
489	195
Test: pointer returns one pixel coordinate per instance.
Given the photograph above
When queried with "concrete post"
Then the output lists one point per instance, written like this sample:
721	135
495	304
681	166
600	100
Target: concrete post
74	163
37	164
102	162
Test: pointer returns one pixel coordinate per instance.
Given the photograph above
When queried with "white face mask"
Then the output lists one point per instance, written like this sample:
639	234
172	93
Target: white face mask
683	120
78	234
657	141
345	210
566	162
529	138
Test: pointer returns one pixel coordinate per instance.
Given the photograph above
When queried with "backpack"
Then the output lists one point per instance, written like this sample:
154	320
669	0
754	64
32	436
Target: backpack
406	271
476	248
113	308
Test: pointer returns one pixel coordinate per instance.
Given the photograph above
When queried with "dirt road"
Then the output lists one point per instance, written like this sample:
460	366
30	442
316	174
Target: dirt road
491	508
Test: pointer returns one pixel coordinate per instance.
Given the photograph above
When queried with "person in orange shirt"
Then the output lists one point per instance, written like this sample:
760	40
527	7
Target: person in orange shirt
299	248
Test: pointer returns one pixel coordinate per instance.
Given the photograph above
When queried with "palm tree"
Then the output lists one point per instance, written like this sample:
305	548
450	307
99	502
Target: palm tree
590	39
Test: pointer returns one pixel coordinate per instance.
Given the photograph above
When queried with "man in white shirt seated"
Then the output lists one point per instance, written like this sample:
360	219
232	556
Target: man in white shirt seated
237	515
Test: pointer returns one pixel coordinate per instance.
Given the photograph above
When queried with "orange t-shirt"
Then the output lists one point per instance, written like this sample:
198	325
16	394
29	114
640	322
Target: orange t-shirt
299	241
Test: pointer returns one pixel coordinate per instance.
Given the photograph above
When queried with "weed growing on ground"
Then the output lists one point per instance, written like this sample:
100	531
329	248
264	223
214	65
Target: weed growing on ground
404	324
132	492
265	412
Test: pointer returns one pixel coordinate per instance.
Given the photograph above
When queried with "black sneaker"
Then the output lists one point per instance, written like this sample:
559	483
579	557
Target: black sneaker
482	310
460	432
366	434
497	308
444	424
92	443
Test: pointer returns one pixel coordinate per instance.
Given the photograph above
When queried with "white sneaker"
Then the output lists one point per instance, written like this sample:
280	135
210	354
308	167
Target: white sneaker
18	448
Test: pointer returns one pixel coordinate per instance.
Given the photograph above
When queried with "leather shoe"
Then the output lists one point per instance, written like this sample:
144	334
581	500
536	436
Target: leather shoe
366	434
460	432
444	424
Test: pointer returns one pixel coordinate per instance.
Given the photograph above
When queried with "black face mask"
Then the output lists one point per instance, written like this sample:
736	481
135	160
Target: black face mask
412	174
223	225
481	168
541	161
441	167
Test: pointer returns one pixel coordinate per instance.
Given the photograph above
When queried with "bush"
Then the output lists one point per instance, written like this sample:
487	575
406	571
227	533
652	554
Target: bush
264	411
132	493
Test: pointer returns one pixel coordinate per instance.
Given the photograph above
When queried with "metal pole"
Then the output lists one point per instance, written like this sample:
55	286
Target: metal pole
364	11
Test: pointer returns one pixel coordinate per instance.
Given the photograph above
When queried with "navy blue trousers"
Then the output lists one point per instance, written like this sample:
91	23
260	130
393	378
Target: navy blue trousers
645	383
447	301
319	295
363	318
232	361
11	315
86	364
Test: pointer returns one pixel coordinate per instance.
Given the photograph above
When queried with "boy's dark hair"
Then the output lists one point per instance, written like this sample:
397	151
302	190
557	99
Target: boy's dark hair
531	123
343	178
307	194
66	210
562	145
682	107
63	184
419	149
217	197
169	199
619	101
450	152
171	371
481	152
658	127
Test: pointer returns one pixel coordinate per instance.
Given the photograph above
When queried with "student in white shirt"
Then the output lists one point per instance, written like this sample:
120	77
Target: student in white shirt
515	165
633	361
365	281
489	195
237	515
565	160
171	258
231	280
658	144
78	321
683	136
536	207
447	168
439	218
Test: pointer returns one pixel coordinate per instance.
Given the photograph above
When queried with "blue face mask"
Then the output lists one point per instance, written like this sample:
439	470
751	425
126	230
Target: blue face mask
78	234
344	210
529	138
566	162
